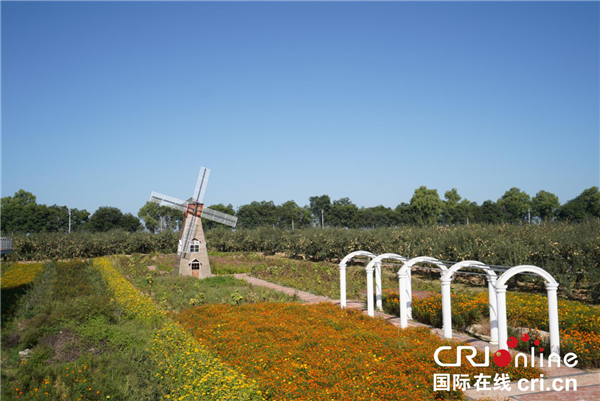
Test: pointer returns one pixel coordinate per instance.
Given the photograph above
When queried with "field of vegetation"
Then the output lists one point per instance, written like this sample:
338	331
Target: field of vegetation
124	327
570	252
92	335
580	322
320	352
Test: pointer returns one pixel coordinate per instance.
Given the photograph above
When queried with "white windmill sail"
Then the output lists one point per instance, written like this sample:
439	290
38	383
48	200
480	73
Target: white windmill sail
219	217
186	238
201	185
168	201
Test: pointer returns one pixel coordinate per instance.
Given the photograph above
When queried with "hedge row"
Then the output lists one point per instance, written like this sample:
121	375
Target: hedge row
570	252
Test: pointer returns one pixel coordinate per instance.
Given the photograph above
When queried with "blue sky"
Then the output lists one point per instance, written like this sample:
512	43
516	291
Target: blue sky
103	103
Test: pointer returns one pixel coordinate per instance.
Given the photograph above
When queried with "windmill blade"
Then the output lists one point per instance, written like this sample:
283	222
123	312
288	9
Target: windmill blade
201	184
188	233
219	217
168	201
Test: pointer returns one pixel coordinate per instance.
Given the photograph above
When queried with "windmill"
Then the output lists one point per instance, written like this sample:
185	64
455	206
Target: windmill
192	254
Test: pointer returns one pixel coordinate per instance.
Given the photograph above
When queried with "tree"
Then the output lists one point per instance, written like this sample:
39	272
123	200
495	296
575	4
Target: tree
150	215
290	211
318	205
514	204
20	213
378	216
129	222
156	217
79	218
545	204
451	211
58	219
425	206
257	214
584	206
105	218
344	213
403	214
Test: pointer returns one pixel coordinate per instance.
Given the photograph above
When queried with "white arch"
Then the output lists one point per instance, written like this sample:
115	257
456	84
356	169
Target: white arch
551	287
447	298
343	265
376	265
405	295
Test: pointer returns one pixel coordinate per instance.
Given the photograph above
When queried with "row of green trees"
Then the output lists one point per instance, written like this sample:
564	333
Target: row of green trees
426	208
21	213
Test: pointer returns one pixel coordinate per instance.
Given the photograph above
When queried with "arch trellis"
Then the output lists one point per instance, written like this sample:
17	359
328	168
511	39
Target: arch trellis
405	290
447	298
375	265
343	265
496	291
551	289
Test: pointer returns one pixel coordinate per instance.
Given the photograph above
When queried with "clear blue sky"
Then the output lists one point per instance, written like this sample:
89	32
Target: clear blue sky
103	103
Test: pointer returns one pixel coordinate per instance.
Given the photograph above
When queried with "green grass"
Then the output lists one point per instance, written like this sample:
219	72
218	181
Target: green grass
176	293
81	345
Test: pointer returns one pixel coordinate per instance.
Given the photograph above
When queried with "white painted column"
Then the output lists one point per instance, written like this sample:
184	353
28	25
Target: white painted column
343	285
447	309
402	300
553	318
493	310
370	303
502	324
409	293
378	291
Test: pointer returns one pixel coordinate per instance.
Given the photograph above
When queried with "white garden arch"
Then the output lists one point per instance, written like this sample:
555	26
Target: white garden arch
343	265
375	264
551	288
447	298
405	295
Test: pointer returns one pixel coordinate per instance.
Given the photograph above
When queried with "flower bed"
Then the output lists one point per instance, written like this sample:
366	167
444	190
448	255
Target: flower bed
187	370
579	323
20	274
321	352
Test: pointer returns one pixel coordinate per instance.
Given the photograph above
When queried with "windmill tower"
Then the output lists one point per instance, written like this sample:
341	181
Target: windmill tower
192	256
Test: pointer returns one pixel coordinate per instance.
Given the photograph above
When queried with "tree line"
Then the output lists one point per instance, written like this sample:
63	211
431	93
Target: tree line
21	213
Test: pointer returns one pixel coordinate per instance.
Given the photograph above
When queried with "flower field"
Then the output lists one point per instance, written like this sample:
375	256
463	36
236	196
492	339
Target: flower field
320	352
19	274
16	279
580	323
184	367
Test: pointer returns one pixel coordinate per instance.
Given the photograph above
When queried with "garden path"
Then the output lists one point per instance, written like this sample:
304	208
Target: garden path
588	383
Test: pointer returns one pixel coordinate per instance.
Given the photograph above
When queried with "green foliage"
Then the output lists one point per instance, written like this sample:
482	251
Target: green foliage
426	206
180	292
44	246
21	213
81	345
320	205
257	214
585	206
152	214
108	218
570	252
545	204
514	204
